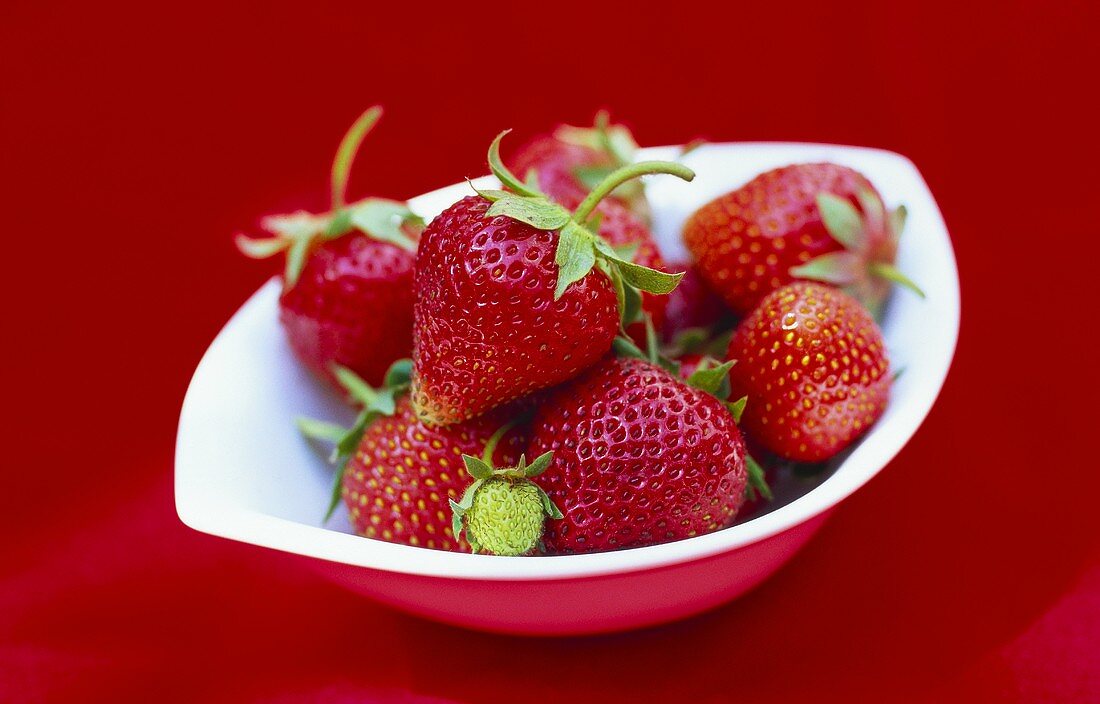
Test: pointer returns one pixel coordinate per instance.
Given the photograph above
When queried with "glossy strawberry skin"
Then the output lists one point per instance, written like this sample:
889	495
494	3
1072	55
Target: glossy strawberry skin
397	485
813	364
745	242
352	306
487	327
639	458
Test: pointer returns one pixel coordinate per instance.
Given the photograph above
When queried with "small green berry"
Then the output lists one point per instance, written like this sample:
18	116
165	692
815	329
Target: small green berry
503	511
506	517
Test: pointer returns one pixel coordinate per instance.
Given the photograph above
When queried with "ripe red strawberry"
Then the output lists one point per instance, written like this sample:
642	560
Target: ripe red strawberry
348	284
822	222
396	475
488	329
813	365
571	161
515	294
639	458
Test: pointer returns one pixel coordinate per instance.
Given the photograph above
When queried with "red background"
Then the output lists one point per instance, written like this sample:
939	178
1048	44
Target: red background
136	140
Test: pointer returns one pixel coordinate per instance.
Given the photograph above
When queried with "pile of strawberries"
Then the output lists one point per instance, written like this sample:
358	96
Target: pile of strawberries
559	397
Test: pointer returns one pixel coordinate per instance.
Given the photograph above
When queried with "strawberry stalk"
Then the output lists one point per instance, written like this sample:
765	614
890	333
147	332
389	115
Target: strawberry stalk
579	248
627	173
346	153
495	438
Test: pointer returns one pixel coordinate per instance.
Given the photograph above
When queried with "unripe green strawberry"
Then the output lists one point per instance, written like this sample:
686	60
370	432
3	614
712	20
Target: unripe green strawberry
505	518
503	512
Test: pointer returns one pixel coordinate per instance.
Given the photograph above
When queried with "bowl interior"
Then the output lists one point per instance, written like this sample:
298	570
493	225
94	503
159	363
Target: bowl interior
243	472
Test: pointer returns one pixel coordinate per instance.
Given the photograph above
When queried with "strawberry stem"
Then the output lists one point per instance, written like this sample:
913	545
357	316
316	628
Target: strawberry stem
652	353
345	154
494	440
621	175
504	174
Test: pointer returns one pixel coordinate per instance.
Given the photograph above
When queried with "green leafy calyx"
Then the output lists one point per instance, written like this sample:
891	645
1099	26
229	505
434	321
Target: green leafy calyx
579	247
298	233
737	408
712	378
614	141
870	243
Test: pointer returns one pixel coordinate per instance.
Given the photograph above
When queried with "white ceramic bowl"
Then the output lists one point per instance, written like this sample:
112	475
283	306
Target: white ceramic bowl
242	471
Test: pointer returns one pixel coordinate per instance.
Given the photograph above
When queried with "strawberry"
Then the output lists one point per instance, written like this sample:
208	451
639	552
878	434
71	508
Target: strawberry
813	365
693	367
821	222
692	305
639	457
515	294
503	512
396	475
571	161
348	283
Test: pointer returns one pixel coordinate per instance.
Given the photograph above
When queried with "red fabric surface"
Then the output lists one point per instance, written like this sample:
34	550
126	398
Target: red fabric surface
135	140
